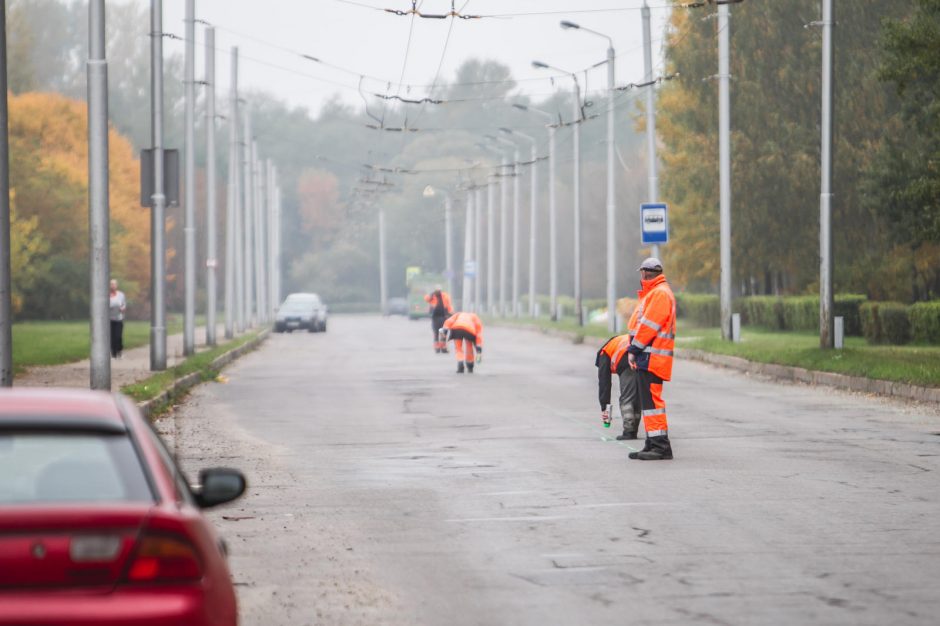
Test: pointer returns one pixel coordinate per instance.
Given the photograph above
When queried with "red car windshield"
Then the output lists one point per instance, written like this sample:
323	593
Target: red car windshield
39	467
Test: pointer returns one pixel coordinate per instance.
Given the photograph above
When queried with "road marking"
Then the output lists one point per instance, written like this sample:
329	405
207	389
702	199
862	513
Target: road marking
523	518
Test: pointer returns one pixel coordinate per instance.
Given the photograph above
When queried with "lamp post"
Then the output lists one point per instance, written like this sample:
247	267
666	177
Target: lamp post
533	240
509	169
490	234
430	192
515	224
576	183
611	203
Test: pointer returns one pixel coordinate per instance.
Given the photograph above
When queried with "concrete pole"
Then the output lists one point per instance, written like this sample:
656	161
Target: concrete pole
189	204
533	229
158	200
212	253
653	184
262	242
465	303
448	248
98	200
490	247
272	238
478	250
248	210
278	211
6	293
233	318
504	233
724	159
576	185
826	297
552	229
383	283
517	174
257	235
611	201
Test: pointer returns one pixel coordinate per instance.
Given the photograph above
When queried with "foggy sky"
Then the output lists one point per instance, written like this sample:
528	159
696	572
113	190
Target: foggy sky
272	34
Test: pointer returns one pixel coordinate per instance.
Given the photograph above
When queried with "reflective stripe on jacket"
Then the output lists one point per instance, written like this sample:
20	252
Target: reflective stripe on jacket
655	338
468	322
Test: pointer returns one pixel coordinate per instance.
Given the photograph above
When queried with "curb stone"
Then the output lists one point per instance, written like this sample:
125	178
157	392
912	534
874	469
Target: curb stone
781	372
192	379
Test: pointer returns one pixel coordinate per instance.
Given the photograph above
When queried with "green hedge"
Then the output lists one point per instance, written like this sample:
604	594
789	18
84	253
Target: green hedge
764	311
886	322
701	309
925	322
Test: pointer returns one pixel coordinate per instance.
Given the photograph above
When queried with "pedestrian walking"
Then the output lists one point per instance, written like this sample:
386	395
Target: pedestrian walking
440	309
650	354
117	306
466	331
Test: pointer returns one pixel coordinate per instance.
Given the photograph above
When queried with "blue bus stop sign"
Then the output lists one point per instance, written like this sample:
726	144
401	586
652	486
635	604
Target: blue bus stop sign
654	223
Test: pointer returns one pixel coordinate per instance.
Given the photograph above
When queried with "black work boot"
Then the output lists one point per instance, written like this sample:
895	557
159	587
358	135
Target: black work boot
460	367
646	448
470	366
660	450
630	427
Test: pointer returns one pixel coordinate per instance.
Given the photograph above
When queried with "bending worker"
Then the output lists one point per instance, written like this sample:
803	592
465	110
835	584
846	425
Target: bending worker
611	359
466	331
439	308
650	354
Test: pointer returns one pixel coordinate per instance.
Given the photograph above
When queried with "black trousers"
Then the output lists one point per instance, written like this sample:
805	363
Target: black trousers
437	322
117	337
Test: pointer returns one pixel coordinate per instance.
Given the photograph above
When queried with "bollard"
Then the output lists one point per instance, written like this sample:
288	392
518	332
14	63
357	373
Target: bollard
538	309
736	327
839	332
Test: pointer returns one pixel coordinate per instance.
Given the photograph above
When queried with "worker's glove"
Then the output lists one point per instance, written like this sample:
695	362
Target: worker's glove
441	334
479	354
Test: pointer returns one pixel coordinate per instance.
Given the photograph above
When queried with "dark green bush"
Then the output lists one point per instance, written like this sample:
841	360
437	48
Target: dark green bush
871	322
847	306
701	309
801	313
895	322
764	311
925	322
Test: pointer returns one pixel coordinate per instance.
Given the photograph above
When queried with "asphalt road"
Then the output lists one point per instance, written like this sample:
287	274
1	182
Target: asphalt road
386	489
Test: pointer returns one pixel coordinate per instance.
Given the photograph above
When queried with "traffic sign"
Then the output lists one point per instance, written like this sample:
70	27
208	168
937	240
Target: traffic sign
654	223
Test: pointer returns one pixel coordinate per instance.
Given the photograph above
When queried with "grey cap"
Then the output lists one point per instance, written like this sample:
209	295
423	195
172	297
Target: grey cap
651	263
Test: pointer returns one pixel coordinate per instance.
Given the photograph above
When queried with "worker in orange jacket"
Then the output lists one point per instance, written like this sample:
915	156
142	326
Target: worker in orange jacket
440	308
466	331
611	359
650	354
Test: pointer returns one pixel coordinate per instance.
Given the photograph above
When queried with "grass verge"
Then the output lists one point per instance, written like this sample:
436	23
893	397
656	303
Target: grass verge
54	343
200	363
916	365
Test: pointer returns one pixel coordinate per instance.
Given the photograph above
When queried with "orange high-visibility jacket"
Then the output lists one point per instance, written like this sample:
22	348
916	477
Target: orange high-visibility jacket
441	298
614	349
468	322
655	337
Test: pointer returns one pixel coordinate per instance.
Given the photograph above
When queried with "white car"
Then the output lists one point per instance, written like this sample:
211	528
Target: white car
301	311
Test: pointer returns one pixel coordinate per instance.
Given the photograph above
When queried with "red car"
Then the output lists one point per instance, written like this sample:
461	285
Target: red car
97	524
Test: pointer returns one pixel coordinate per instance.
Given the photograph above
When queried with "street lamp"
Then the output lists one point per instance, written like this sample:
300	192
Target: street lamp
430	192
515	217
611	204
576	185
490	233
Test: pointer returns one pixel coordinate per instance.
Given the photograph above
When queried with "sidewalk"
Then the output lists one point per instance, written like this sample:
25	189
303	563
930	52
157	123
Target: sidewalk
133	366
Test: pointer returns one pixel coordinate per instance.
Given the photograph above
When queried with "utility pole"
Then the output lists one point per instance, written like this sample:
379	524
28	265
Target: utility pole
576	185
272	238
724	158
189	213
158	199
6	295
611	200
277	238
98	204
246	218
503	234
533	229
258	235
517	174
490	248
826	298
653	185
467	254
448	248
552	228
478	250
211	209
232	303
